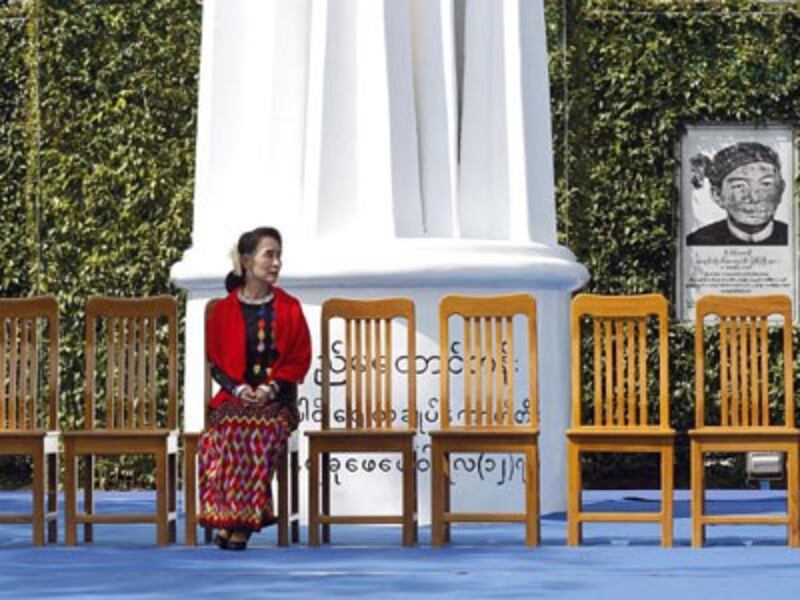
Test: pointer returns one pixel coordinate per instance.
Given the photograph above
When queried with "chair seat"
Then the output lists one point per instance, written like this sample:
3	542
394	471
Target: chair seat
744	432
478	432
364	433
129	433
593	432
27	433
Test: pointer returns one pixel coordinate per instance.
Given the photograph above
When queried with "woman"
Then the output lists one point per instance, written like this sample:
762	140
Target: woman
259	349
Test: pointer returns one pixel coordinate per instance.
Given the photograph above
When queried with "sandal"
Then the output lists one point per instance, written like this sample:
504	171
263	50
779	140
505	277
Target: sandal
222	541
238	540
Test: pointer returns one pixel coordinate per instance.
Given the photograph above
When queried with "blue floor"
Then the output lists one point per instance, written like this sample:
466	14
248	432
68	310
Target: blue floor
617	560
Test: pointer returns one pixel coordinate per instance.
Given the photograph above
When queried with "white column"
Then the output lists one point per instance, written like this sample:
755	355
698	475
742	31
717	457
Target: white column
506	169
362	160
436	96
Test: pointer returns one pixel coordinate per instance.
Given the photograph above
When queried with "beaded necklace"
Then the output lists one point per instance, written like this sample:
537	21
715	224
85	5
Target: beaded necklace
261	335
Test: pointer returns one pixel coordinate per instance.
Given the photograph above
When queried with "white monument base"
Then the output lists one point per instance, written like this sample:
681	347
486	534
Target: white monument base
424	270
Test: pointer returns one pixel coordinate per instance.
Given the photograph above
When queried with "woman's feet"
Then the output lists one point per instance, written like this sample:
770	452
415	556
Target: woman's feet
238	540
222	539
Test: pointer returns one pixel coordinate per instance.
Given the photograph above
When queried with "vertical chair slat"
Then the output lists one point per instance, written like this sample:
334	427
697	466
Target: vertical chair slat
348	373
23	369
598	372
490	361
498	371
468	355
128	403
119	410
479	392
631	350
619	341
368	370
152	354
34	373
725	411
111	351
764	374
510	371
359	400
12	384
609	365
3	370
754	403
382	420
643	419
142	376
735	394
387	376
743	371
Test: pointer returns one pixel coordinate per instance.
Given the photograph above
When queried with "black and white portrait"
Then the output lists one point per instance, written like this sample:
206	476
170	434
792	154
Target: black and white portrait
737	212
745	181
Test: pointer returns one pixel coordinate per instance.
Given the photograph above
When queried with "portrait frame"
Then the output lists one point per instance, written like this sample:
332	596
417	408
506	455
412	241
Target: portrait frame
712	260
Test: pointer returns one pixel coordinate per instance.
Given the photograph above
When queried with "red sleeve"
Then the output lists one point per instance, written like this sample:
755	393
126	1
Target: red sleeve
214	336
295	357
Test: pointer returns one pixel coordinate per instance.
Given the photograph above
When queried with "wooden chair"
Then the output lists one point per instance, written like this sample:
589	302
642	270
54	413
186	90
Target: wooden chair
133	419
368	408
288	475
28	426
741	421
624	418
489	424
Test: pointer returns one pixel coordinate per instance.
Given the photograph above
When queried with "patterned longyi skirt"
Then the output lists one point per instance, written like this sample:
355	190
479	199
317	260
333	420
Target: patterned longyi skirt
238	454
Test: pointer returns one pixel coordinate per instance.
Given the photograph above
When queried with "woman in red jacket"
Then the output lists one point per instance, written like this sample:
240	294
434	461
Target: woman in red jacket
259	349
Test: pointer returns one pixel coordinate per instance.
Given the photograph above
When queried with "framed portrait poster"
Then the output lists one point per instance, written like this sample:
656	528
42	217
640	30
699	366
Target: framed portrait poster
737	213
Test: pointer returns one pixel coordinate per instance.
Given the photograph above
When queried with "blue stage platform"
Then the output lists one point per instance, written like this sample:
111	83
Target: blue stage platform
484	561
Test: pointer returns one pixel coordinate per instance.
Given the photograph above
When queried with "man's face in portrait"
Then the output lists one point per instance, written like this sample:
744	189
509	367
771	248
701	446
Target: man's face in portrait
750	194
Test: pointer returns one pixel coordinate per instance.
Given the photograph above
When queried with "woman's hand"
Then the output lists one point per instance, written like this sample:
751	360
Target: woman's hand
247	395
265	393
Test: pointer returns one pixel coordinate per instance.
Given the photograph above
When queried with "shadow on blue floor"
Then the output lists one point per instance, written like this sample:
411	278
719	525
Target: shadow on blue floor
616	561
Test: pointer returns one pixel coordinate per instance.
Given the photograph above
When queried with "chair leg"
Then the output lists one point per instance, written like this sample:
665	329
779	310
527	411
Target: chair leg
437	495
574	491
326	496
667	496
294	477
52	497
283	501
172	490
70	494
313	495
88	496
162	534
792	483
532	496
448	485
190	491
416	497
409	469
698	495
38	487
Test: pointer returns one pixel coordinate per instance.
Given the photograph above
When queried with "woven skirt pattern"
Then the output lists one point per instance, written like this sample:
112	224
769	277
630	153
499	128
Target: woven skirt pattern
238	454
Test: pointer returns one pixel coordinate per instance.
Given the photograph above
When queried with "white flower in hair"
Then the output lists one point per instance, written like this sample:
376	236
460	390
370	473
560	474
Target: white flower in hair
236	260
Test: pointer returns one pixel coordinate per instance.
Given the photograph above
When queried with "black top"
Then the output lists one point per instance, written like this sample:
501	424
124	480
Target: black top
719	234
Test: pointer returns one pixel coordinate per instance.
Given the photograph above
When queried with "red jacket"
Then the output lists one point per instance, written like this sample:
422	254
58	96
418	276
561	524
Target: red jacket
225	341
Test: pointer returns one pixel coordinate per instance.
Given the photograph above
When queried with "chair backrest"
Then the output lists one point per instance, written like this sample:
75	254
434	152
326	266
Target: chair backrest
744	360
24	322
369	366
131	331
620	326
489	366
